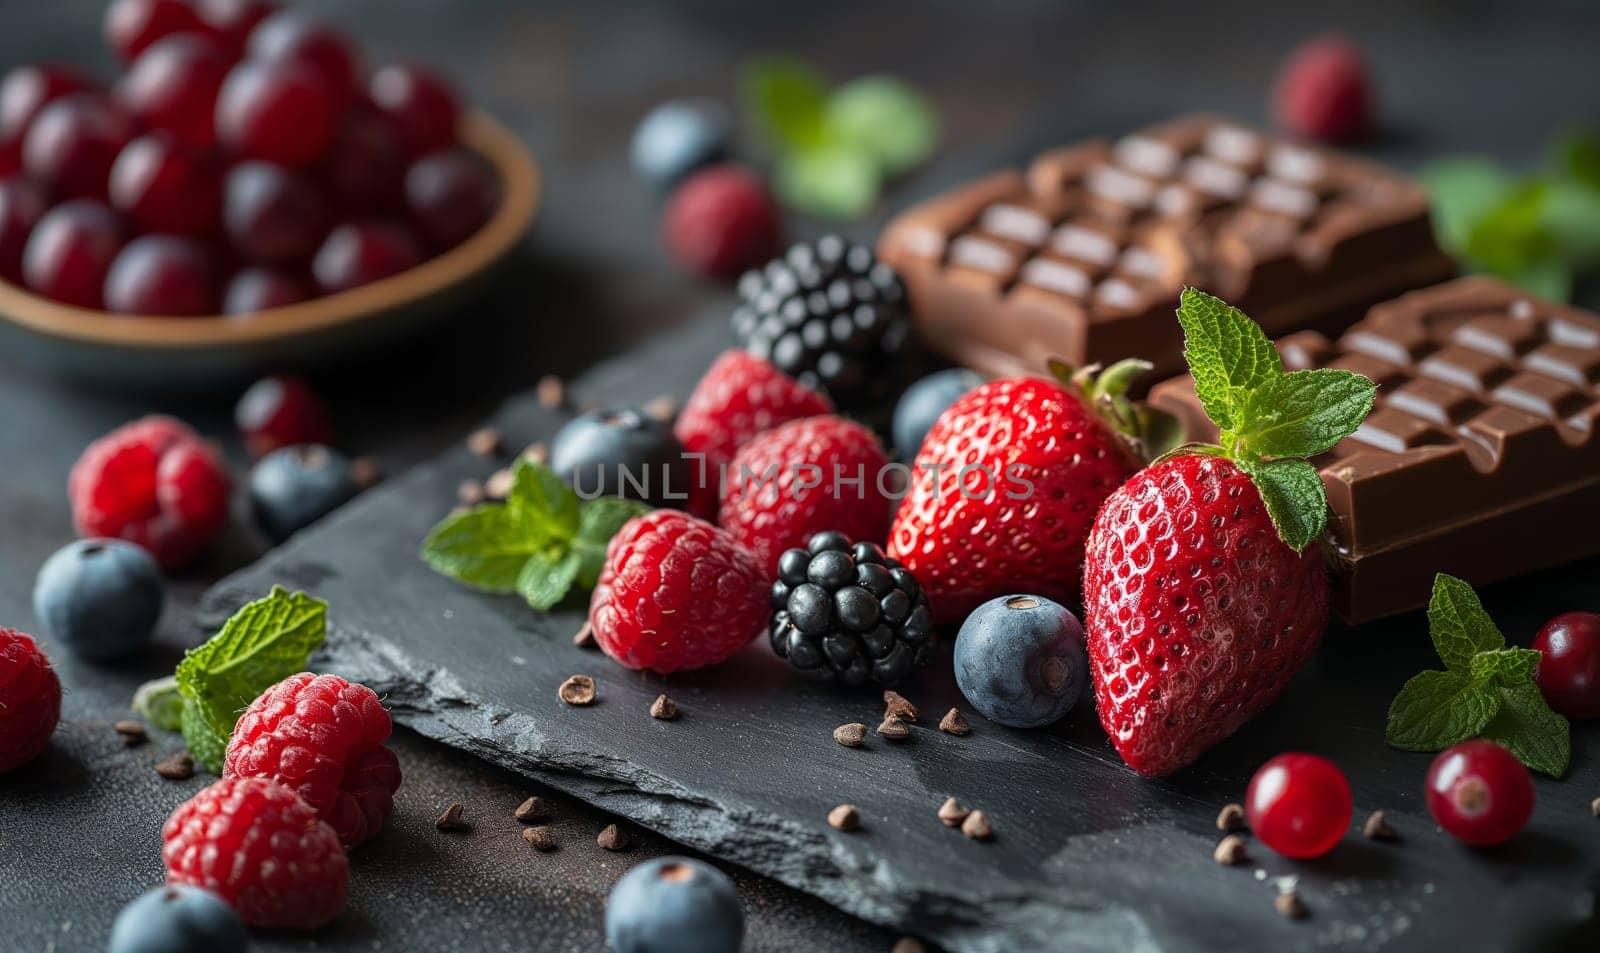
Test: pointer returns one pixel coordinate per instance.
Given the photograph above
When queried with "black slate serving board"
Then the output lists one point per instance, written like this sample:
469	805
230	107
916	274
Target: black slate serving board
1086	855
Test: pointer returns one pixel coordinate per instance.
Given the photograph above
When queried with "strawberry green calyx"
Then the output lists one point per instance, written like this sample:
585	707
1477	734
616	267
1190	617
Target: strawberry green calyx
1270	419
1148	432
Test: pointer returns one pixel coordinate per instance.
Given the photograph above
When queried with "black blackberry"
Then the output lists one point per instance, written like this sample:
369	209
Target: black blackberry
829	314
850	612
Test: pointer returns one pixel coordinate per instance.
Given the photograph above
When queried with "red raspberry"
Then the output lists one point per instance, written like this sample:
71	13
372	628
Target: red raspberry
323	737
152	482
30	700
255	844
739	397
721	221
281	411
805	477
677	593
1323	91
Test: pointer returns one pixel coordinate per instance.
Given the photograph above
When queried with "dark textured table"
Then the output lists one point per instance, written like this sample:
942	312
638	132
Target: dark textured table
79	833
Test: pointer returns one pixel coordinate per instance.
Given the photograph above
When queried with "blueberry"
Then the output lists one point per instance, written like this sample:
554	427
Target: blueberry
674	905
178	919
679	137
923	402
1020	660
621	452
101	598
294	487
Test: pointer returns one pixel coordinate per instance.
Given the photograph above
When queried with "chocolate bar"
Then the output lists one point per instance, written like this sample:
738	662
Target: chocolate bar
1082	256
1480	458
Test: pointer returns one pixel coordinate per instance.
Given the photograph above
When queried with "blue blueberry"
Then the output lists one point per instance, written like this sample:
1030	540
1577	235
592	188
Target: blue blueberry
674	905
101	598
622	452
1020	660
294	487
679	137
178	919
924	401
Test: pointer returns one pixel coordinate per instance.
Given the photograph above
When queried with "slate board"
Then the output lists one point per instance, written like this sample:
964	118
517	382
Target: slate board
1087	856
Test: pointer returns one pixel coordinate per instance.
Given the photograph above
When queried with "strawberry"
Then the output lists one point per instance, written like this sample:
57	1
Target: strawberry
1202	592
1007	483
740	396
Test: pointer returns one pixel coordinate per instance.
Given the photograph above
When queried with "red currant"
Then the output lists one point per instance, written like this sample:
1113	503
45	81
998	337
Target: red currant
1569	671
173	86
233	20
1299	805
1479	793
280	112
163	187
133	25
450	194
281	411
28	89
420	102
162	275
22	204
365	166
359	254
262	289
271	215
71	250
73	142
290	37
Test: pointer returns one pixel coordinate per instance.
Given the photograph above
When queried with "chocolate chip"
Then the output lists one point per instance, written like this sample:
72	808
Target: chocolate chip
534	809
132	733
179	767
896	705
612	838
584	638
664	407
577	690
845	817
537	453
952	812
366	471
1230	851
551	392
498	486
486	442
851	735
1231	818
976	826
663	708
894	729
470	492
451	821
1290	905
1377	827
955	723
908	944
540	838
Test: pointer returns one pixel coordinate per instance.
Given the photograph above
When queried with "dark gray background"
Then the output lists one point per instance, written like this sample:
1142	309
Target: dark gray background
79	831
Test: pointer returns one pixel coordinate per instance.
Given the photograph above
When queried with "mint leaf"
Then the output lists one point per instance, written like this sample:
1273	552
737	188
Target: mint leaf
1511	236
1540	738
1578	157
832	181
1228	354
207	743
1459	625
1462	191
546	577
1507	667
1573	219
263	643
885	118
1547	278
159	702
787	99
1435	710
544	499
1304	413
1294	496
602	518
486	546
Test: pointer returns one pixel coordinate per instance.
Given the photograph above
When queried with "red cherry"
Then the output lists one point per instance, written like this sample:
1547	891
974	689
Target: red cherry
359	254
364	169
22	204
281	411
10	158
71	250
280	112
28	89
450	194
173	85
1479	793
290	37
1299	805
162	187
271	215
162	275
262	289
233	20
421	104
1569	671
73	142
131	26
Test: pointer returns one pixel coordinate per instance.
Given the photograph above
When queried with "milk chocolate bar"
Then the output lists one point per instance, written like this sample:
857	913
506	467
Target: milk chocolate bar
1082	256
1480	458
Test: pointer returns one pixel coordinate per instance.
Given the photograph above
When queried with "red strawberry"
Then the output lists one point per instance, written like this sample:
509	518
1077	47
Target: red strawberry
1004	490
740	396
801	478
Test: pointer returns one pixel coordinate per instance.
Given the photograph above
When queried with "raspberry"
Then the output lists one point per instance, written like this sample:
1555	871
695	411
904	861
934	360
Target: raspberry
801	478
721	221
739	397
1323	91
676	593
152	482
322	737
30	699
257	845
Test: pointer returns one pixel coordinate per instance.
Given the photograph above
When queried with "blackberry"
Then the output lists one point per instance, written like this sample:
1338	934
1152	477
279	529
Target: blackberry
829	314
849	612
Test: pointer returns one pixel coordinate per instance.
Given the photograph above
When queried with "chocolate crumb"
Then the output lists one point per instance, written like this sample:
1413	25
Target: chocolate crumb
577	690
851	735
451	821
897	706
366	471
894	729
1290	905
552	393
612	838
584	637
132	733
1230	851
1231	818
664	407
976	826
486	442
498	486
537	452
179	767
533	809
954	723
1378	828
845	817
539	838
663	708
470	492
908	944
952	812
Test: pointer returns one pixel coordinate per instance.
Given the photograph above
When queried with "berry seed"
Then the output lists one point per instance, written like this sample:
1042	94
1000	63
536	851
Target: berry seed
952	813
1230	851
1289	904
131	732
612	838
845	817
451	821
179	767
1378	828
551	392
976	826
486	442
577	690
534	809
1231	818
540	838
663	708
955	723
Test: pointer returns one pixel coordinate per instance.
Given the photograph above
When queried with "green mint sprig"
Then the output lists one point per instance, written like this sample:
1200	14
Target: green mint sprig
834	149
1269	419
540	543
1486	689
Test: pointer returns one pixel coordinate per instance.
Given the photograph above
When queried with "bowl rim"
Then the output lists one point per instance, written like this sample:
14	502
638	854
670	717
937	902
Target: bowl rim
519	203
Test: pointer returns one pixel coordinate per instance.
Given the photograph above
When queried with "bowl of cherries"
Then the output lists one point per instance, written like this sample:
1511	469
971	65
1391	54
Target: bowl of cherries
246	192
